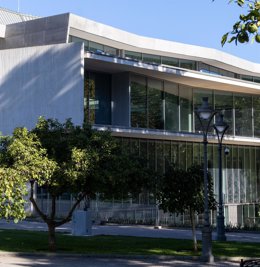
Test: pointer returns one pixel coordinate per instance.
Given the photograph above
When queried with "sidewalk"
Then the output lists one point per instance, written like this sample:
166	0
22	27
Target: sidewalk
18	260
132	230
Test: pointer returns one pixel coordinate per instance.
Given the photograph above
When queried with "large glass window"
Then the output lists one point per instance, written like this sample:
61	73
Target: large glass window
247	174
152	58
224	104
138	102
97	98
242	174
110	50
198	95
171	94
187	64
256	112
243	115
95	47
159	157
90	103
75	39
186	110
155	104
170	61
134	55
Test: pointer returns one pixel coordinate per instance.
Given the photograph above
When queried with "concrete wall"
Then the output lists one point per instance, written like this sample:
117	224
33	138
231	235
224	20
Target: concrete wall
120	99
42	31
41	81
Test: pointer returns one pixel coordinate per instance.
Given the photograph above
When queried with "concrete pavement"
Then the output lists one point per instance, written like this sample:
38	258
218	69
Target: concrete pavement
16	260
133	230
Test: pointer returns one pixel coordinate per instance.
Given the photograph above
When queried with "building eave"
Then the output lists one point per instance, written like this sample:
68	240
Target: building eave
182	76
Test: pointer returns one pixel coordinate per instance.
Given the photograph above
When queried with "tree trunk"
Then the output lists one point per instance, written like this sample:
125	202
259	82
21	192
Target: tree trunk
52	238
192	220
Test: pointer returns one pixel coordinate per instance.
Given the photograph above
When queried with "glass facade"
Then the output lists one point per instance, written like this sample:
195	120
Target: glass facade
163	105
241	170
157	104
97	98
157	59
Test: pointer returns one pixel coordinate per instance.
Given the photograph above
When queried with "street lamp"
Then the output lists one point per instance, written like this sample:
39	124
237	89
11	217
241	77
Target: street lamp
220	127
205	115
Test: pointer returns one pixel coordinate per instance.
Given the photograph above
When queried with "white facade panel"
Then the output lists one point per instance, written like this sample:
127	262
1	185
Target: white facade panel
41	81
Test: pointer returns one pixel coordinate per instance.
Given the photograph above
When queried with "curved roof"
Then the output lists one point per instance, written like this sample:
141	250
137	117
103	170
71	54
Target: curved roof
9	17
101	33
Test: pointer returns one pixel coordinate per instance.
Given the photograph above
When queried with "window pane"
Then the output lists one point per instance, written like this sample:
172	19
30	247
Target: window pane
187	64
134	55
89	98
171	106
138	102
257	79
243	115
256	109
159	157
224	103
75	39
247	78
155	104
152	58
95	47
110	50
185	108
97	100
198	94
203	67
103	97
170	61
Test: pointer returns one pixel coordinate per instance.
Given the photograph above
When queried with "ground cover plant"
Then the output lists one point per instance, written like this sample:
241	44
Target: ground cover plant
32	241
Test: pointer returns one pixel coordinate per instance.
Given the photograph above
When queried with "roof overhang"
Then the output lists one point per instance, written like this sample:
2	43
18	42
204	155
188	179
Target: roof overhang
160	135
191	78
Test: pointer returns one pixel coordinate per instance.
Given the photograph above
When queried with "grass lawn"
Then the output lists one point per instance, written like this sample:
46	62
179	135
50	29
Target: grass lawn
29	241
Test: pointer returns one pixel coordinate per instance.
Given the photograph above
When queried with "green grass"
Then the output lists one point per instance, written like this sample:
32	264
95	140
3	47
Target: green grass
29	241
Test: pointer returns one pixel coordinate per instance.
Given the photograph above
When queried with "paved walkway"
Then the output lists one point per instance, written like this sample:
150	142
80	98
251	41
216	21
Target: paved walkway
130	230
13	260
18	260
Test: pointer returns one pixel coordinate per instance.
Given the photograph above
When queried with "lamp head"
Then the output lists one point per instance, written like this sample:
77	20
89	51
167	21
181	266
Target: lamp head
220	125
204	111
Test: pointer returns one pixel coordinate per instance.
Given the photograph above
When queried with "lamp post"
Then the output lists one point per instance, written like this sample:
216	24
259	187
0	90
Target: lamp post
205	115
220	127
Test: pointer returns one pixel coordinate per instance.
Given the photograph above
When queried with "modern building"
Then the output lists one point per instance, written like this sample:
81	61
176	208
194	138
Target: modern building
145	90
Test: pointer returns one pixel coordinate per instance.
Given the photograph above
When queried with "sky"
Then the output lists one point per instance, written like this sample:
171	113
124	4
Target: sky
196	22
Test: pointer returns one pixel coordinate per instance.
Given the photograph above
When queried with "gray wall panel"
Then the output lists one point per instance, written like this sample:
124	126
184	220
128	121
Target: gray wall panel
42	31
41	81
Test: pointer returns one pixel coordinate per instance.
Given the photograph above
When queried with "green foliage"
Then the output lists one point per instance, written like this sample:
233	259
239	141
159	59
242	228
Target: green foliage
22	159
78	153
126	175
12	192
64	158
248	24
183	190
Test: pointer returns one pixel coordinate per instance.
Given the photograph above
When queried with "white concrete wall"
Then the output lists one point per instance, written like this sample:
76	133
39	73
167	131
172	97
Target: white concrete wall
41	81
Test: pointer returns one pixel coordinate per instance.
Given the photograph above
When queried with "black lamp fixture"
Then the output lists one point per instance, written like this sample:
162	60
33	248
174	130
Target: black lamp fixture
205	115
220	127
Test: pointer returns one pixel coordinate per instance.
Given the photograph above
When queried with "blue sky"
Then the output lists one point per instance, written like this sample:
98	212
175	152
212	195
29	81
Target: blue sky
197	22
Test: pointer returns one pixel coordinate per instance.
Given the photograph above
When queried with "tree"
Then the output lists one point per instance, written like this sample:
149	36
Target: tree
248	24
14	173
182	191
63	158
